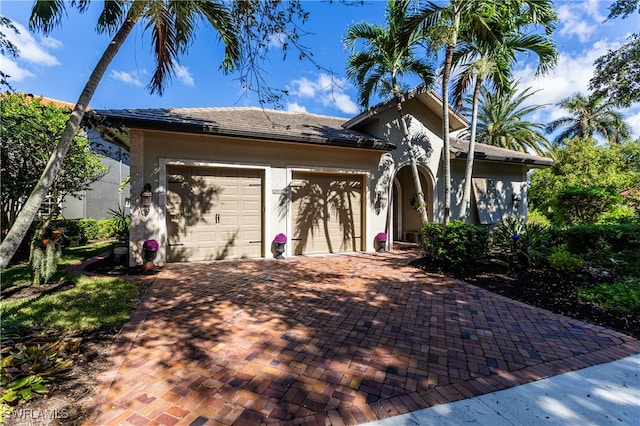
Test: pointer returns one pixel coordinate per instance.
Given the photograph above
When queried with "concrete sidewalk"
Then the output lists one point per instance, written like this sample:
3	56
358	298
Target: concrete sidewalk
604	394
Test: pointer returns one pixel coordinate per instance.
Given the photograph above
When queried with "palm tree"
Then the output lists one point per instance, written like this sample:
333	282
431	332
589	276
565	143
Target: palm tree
502	123
389	53
590	116
441	26
172	25
491	58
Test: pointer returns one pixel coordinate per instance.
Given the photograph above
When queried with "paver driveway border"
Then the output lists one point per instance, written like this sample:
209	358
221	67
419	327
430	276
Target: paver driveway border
339	339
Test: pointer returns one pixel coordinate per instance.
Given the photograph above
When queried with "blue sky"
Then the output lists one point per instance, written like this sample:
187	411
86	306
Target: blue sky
58	66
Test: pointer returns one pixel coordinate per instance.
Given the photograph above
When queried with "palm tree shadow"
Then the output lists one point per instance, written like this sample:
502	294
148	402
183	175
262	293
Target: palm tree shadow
190	200
320	206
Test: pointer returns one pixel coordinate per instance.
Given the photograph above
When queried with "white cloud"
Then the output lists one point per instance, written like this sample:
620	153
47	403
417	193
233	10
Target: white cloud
184	76
632	118
304	88
325	89
13	70
579	19
277	40
32	51
126	78
571	75
295	107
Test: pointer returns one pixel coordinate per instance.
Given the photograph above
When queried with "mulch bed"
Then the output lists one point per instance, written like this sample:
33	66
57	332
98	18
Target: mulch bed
549	290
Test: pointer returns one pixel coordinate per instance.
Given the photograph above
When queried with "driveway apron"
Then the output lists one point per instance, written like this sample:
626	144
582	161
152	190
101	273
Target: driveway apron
339	339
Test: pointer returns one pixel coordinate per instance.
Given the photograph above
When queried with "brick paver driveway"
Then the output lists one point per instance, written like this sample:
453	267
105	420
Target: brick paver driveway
329	340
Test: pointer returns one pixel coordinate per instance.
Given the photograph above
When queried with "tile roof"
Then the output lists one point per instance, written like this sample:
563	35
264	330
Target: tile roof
460	148
243	122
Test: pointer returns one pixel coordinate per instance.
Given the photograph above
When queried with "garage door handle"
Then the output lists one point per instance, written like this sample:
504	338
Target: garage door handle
177	244
255	242
296	239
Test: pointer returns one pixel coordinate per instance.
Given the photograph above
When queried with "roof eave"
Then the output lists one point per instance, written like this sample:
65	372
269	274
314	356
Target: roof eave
531	162
207	129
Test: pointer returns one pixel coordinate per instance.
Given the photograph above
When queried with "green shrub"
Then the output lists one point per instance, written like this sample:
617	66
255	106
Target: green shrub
562	260
623	295
458	249
534	216
583	204
585	238
618	214
89	229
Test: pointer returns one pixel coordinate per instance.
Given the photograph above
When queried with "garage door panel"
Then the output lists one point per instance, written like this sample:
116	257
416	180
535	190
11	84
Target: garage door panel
327	214
215	219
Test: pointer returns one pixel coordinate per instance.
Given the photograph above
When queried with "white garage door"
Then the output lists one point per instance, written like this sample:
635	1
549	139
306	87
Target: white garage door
326	213
213	213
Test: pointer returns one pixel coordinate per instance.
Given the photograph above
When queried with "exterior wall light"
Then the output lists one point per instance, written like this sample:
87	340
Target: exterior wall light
146	196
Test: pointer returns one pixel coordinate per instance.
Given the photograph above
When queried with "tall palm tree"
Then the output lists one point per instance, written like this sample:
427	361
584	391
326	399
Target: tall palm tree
491	59
389	53
589	116
172	25
502	121
441	26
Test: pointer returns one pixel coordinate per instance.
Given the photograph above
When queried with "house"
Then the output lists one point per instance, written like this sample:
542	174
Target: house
105	193
225	181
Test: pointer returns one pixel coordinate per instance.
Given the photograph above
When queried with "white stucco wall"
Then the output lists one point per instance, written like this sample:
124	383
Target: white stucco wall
154	151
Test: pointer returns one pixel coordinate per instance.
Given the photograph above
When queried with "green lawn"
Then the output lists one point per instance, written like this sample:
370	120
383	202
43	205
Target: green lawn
91	304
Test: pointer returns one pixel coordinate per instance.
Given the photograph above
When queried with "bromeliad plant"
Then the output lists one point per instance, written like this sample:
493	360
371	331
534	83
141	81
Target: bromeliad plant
28	369
529	243
280	239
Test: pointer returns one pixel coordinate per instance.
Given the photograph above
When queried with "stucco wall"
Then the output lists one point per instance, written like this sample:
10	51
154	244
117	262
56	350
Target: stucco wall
510	179
277	160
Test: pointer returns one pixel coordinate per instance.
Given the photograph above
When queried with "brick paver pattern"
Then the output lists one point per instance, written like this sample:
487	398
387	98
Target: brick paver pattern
340	339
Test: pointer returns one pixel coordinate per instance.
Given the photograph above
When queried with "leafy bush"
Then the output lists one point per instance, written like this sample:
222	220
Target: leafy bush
584	238
534	216
561	260
577	205
623	295
618	214
458	249
90	229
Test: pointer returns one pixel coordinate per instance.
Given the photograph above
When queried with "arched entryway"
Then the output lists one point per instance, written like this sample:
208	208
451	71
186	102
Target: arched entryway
406	219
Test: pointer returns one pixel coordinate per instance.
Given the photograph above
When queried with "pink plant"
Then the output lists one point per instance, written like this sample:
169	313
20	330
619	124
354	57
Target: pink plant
280	239
151	245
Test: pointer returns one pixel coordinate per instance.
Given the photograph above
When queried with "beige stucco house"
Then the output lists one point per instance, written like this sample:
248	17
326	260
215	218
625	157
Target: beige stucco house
225	181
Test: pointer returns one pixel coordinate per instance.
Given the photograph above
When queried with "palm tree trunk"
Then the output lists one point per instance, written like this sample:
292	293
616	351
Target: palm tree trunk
446	160
20	227
422	210
468	172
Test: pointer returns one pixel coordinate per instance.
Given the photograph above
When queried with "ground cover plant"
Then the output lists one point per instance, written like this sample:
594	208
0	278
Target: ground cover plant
587	272
56	336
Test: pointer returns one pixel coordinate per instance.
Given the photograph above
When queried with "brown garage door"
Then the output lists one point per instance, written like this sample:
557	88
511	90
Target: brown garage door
213	213
326	213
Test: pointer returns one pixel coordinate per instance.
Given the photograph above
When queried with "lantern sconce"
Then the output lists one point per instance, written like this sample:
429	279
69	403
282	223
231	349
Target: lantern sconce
146	196
381	199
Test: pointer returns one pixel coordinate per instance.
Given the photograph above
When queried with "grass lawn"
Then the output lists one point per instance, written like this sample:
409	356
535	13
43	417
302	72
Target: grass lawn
83	304
95	308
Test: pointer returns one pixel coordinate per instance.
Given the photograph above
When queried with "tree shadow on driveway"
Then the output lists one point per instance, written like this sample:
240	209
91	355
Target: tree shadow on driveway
344	338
